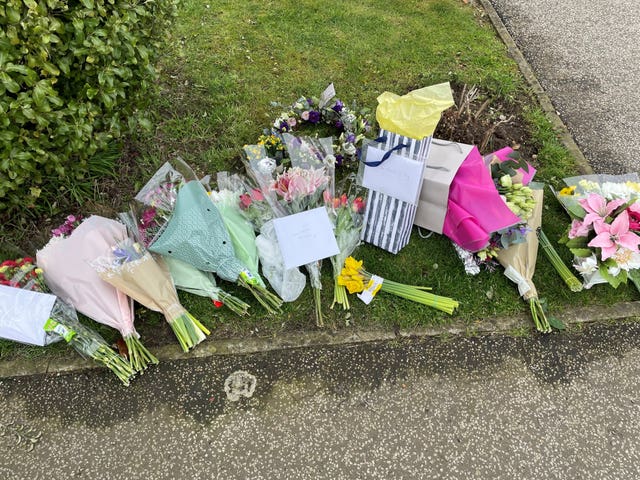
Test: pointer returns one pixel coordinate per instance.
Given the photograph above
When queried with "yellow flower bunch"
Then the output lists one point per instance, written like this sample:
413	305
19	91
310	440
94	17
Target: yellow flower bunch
271	142
635	186
351	276
568	191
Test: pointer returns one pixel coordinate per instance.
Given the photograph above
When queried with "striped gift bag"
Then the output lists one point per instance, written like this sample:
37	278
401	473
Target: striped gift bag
387	220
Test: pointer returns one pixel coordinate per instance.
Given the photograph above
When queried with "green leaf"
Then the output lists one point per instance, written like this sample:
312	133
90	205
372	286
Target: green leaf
88	4
12	68
581	252
9	83
39	94
556	323
578	242
13	15
614	281
7	135
51	69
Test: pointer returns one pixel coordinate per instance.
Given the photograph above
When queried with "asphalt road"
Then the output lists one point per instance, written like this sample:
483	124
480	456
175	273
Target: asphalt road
562	406
585	55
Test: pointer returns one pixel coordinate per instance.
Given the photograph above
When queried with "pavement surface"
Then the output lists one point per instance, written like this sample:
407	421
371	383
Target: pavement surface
562	406
585	55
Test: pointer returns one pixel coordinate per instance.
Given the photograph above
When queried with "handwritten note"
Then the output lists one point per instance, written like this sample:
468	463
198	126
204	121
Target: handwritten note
305	237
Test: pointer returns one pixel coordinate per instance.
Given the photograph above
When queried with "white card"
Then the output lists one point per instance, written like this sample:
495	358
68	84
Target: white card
327	95
305	237
399	177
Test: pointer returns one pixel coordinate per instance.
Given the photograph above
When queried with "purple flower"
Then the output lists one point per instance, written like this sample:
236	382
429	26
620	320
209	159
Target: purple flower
338	106
339	125
351	138
71	218
56	232
339	159
314	116
310	101
284	126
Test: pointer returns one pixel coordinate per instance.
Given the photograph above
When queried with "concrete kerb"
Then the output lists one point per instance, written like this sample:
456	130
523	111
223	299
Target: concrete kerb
497	325
246	346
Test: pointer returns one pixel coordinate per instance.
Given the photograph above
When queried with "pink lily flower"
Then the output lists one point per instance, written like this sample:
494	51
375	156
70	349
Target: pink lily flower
597	208
611	236
579	229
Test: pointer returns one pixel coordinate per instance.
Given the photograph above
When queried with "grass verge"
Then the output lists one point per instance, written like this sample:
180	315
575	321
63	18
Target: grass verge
226	63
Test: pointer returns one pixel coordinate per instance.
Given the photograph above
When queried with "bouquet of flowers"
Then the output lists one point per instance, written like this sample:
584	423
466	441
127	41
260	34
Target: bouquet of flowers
519	262
241	231
68	273
507	202
346	213
256	209
29	314
193	230
132	270
604	235
299	188
357	280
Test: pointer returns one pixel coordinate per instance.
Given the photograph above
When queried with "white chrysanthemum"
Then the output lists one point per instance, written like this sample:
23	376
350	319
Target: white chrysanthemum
611	190
589	187
586	265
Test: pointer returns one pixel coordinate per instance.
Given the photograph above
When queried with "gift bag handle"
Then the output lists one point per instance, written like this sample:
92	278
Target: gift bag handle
387	154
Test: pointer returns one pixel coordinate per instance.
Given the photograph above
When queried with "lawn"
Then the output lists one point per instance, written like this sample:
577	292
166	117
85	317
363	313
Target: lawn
227	61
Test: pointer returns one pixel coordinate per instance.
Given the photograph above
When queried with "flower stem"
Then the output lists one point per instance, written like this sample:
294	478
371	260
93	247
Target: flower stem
318	305
539	317
418	294
569	278
188	330
139	356
340	295
234	304
270	301
121	368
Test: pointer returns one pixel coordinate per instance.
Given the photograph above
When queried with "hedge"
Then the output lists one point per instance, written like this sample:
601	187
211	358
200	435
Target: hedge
74	75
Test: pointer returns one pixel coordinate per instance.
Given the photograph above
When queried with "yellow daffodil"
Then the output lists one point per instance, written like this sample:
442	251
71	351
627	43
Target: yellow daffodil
568	190
353	264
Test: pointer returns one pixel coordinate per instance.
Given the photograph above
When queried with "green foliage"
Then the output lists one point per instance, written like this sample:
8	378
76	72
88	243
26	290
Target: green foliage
73	76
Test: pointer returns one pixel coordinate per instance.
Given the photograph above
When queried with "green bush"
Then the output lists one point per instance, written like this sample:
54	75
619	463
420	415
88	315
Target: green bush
74	74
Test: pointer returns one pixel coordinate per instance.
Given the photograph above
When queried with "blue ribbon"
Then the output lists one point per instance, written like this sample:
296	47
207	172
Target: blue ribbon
387	154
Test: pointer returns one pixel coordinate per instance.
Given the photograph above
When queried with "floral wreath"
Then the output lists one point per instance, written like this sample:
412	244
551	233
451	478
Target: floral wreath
351	124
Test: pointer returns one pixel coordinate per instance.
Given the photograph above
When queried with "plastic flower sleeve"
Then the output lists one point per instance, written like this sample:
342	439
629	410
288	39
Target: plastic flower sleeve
240	230
288	283
67	270
133	270
197	235
189	279
64	323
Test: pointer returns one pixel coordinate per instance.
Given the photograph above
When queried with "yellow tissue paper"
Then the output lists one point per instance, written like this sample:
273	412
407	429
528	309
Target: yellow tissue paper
415	114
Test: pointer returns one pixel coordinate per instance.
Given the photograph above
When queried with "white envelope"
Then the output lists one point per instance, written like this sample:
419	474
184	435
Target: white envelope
23	314
305	237
398	176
